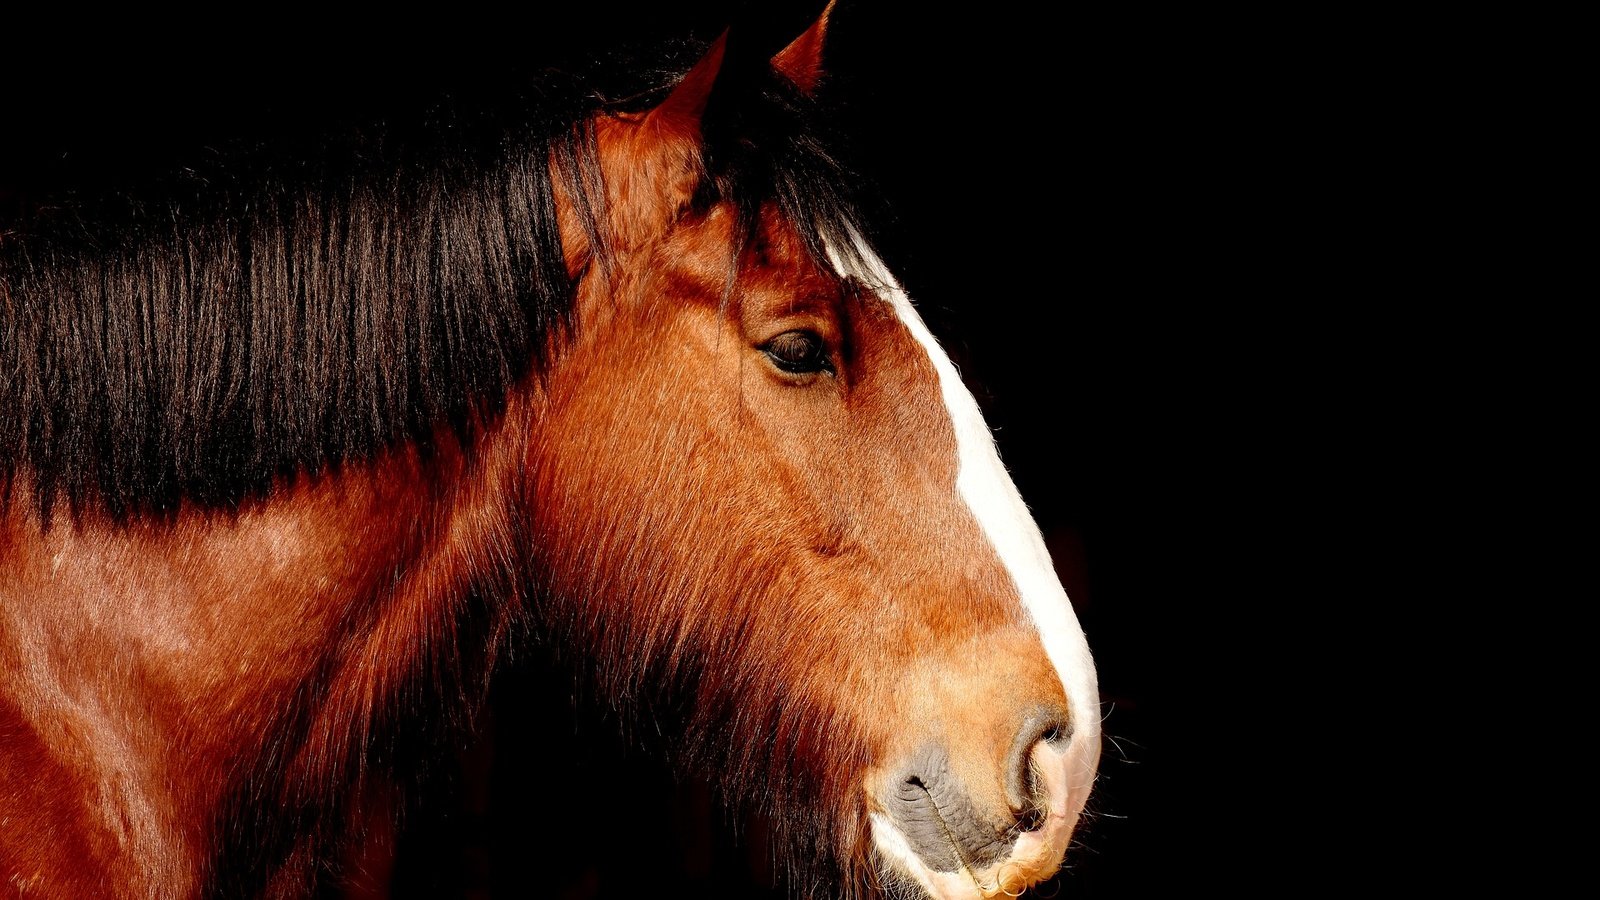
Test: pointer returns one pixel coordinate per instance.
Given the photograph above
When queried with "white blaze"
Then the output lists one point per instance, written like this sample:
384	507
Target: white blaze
997	505
987	489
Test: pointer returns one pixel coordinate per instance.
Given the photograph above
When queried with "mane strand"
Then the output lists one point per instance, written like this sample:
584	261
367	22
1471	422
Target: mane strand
254	318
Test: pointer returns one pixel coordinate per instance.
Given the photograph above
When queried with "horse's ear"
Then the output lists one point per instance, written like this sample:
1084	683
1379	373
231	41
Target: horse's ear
662	168
687	102
801	61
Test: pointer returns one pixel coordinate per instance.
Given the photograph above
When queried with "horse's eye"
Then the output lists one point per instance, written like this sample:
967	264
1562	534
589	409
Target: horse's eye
798	352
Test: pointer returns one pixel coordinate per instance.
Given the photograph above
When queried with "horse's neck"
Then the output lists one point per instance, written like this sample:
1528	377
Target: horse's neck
179	667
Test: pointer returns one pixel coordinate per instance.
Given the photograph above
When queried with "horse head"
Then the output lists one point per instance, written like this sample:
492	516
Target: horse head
766	504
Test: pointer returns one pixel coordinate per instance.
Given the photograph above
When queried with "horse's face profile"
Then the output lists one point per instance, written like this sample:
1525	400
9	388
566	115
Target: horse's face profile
742	448
287	465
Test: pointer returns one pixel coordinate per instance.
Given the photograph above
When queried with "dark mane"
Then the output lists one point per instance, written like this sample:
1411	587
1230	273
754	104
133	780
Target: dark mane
281	308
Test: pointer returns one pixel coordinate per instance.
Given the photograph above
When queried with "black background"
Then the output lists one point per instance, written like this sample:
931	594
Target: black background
1086	207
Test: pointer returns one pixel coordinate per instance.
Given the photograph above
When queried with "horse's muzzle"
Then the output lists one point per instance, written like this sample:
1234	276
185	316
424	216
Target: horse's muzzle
965	831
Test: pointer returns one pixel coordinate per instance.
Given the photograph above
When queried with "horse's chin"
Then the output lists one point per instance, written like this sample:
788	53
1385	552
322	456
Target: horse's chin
1033	860
905	875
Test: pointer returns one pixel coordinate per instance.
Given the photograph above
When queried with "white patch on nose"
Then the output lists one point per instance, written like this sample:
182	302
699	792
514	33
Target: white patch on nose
984	484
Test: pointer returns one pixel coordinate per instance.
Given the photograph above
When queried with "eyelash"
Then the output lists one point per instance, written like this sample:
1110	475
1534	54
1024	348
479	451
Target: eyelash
799	353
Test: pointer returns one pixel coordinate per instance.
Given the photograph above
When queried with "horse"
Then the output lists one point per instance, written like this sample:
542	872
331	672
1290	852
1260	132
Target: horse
289	466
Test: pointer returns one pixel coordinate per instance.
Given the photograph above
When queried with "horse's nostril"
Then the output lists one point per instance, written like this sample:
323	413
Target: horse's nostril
1050	726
